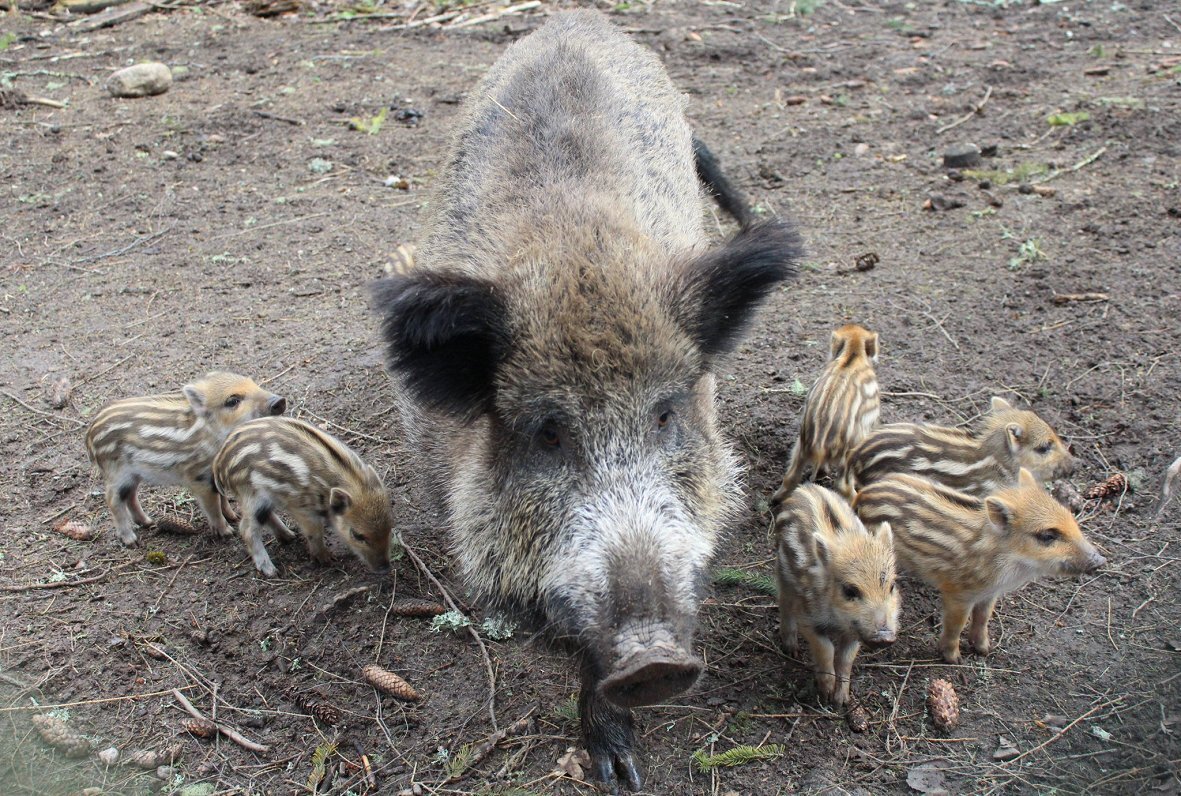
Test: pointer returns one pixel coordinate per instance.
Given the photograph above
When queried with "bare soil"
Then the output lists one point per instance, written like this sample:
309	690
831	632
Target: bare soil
236	221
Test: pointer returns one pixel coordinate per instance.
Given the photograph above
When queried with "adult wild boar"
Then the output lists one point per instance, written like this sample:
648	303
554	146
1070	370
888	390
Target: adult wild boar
554	352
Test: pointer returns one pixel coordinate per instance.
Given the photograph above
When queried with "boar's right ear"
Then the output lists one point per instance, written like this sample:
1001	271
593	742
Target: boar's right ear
998	404
721	289
446	335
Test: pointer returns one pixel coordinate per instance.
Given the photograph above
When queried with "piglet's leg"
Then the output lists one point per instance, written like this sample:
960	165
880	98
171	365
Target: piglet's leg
137	512
227	511
846	653
955	616
313	531
788	626
282	532
823	658
251	530
609	734
210	502
978	631
118	494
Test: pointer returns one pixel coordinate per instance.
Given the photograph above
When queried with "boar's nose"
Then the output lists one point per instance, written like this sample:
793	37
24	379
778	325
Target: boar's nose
883	638
651	675
277	405
382	569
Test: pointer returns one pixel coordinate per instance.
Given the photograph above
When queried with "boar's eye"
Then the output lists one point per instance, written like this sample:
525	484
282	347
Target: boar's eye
851	592
893	586
549	437
1048	536
664	419
359	537
233	401
1044	448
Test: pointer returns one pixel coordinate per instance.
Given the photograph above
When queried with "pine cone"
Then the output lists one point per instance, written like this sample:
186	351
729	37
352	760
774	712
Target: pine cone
857	718
417	608
943	704
78	531
1114	486
61	736
325	713
175	526
390	683
202	728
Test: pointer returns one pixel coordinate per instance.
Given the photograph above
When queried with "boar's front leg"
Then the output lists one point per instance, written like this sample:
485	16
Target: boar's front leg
609	734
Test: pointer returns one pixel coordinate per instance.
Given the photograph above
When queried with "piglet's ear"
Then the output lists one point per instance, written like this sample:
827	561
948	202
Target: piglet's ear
446	336
722	288
196	398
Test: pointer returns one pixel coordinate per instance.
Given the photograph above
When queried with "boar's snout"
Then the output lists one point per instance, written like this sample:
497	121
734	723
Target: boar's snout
277	405
652	672
884	637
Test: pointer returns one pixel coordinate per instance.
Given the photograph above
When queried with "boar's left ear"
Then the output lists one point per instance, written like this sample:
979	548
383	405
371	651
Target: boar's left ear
721	288
446	335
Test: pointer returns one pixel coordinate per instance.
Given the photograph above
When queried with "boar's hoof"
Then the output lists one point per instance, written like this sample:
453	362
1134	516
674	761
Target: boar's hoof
609	768
651	677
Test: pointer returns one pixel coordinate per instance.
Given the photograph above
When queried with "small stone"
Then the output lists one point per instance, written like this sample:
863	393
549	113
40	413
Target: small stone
109	756
319	166
940	202
861	150
1005	750
141	80
168	154
989	150
164	773
961	156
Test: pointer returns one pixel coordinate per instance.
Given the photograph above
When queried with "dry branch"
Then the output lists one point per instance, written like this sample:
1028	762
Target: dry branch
228	732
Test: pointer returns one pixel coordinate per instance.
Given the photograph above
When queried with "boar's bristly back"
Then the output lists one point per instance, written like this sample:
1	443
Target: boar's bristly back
723	287
446	333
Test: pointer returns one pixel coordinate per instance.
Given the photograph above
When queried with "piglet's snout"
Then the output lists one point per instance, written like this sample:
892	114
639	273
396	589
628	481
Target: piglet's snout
277	405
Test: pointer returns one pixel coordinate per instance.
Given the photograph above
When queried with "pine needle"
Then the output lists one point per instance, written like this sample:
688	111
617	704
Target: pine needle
739	755
729	576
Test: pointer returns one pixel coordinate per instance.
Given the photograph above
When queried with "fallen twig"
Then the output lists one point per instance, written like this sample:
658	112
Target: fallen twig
422	567
481	752
1058	734
1066	298
57	584
41	412
228	732
100	701
519	8
975	110
278	118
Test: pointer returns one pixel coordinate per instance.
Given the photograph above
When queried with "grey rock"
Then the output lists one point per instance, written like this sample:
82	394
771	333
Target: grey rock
141	80
961	156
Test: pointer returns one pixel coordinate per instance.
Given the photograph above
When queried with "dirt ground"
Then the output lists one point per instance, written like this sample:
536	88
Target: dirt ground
236	222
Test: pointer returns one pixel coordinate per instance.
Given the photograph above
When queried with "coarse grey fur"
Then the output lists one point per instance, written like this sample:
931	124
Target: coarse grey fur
553	354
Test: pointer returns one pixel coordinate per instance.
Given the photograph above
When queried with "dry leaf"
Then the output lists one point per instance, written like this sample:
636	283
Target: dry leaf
574	763
928	777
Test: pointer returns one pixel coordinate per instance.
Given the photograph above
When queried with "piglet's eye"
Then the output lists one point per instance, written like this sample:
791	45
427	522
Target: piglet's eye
664	418
1048	536
233	401
851	592
357	536
1044	448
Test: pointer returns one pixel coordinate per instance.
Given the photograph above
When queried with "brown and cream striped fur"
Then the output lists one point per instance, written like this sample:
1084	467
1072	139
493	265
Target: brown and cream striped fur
836	584
281	464
840	409
171	440
978	463
976	550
